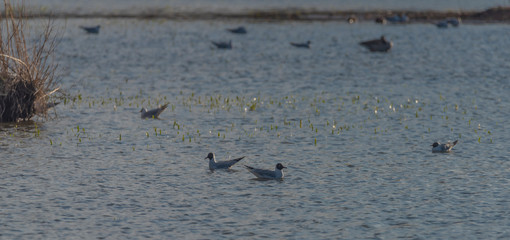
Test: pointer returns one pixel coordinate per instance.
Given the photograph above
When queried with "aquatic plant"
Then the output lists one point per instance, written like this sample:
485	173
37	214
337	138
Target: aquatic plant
27	73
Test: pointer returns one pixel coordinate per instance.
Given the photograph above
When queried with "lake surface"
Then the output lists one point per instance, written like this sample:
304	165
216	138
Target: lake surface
353	127
134	6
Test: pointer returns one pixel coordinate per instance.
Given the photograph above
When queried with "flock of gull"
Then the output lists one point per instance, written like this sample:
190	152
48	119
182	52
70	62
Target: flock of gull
375	45
277	173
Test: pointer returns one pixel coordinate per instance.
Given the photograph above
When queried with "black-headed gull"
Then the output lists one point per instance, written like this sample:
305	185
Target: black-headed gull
153	113
268	174
443	148
213	164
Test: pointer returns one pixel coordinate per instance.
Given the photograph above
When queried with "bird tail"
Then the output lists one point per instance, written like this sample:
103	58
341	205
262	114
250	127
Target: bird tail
455	143
238	159
249	168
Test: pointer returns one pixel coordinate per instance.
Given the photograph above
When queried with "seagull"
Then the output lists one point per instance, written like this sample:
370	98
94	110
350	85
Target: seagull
223	45
213	165
380	20
268	174
351	19
153	113
94	30
239	30
301	45
377	45
443	148
442	24
454	21
398	19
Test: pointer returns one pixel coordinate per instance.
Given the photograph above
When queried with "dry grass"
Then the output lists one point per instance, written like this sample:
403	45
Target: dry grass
27	71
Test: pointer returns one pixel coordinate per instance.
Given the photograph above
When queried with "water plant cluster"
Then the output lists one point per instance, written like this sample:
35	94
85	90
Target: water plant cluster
27	72
316	120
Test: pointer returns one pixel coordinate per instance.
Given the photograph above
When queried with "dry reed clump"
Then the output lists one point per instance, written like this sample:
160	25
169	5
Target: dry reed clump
27	72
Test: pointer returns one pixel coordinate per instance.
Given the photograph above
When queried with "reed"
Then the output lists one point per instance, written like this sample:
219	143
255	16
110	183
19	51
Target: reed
27	71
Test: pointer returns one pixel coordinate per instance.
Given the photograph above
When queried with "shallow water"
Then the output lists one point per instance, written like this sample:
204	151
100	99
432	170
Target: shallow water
354	129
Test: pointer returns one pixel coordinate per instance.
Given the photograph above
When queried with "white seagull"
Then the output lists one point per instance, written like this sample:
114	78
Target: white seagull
213	165
153	113
443	148
268	174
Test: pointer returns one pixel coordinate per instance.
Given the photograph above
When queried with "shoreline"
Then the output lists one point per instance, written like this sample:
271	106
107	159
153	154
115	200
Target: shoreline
491	15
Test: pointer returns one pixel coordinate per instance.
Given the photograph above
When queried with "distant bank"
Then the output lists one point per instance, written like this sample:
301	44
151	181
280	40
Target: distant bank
491	15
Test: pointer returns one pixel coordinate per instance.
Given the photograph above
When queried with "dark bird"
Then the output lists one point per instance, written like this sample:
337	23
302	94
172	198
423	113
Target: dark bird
301	45
453	21
94	30
380	20
398	19
442	24
239	30
223	45
377	45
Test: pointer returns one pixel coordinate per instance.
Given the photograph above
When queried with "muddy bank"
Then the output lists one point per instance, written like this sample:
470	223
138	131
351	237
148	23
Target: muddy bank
492	15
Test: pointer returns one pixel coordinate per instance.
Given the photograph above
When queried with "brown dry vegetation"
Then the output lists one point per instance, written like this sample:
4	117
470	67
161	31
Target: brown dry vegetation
27	71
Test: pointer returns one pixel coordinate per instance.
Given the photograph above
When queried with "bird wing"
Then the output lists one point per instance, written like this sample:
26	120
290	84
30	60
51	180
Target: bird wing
370	42
229	163
261	173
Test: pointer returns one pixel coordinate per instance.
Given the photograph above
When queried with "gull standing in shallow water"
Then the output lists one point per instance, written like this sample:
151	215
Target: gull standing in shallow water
377	45
153	113
268	174
443	148
213	165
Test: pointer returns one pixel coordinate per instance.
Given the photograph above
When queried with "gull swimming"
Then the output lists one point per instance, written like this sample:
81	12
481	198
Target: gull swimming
443	148
267	174
213	164
223	45
453	21
94	29
442	24
239	30
153	113
301	45
377	45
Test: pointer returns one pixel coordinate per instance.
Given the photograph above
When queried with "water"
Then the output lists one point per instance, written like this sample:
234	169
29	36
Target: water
354	129
133	6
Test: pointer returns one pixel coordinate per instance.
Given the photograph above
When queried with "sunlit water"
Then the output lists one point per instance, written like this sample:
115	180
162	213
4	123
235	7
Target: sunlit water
354	129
